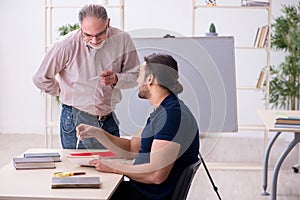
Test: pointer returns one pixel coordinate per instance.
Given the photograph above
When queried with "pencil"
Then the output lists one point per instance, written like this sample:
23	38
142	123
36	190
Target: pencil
93	78
77	143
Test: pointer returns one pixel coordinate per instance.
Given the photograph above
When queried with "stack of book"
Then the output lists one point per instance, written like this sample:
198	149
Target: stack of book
54	155
34	163
261	37
37	161
287	122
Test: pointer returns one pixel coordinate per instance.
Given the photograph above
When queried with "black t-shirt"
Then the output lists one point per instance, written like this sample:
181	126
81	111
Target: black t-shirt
172	121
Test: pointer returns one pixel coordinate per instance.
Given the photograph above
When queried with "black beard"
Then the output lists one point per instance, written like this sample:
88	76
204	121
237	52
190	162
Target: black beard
143	92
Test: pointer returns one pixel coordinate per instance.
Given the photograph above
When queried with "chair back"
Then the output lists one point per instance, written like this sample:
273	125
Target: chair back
182	187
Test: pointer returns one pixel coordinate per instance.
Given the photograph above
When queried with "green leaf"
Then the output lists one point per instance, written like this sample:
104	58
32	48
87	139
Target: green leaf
285	78
65	29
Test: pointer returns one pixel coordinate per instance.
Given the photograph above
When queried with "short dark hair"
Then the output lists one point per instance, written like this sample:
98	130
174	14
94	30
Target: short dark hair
92	10
165	69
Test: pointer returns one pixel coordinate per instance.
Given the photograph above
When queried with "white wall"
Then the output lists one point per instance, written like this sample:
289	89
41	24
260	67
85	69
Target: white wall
22	47
21	51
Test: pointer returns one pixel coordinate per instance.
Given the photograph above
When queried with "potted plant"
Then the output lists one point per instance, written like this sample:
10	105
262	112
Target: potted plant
285	78
65	29
212	30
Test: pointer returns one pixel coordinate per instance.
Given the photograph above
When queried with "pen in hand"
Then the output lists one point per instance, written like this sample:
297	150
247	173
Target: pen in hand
98	76
77	143
93	78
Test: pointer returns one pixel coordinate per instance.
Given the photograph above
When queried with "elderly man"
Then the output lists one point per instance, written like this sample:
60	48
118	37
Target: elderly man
93	64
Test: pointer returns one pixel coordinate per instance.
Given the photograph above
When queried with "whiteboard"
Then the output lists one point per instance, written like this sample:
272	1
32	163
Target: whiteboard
207	73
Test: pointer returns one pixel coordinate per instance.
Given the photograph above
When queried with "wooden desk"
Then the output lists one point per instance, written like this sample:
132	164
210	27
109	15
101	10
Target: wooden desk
268	117
36	184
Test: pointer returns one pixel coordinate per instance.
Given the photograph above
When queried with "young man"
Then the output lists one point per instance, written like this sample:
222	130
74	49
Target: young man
164	148
93	64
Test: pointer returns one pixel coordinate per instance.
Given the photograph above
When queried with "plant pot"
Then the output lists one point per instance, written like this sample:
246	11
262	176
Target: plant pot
211	34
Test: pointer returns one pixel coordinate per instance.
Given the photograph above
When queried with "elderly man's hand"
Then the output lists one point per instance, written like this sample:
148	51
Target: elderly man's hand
108	77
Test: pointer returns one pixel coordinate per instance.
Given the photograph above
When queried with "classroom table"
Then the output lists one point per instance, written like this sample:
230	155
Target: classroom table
36	184
269	118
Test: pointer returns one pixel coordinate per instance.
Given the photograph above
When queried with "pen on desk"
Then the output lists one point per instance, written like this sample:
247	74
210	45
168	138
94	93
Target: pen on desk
65	174
77	143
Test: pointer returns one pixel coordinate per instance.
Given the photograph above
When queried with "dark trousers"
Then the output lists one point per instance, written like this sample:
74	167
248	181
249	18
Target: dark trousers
125	191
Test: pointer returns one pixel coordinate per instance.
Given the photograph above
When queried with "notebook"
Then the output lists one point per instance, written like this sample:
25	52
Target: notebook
75	182
55	155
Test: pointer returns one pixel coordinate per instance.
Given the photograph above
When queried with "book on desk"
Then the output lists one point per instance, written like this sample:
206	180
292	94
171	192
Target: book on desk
34	163
54	155
83	158
287	122
75	182
101	154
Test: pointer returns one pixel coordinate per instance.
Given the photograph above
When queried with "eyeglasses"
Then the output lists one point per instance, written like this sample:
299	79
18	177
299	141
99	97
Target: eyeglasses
97	36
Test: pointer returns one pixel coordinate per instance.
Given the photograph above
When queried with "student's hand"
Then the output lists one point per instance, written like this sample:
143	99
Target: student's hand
108	77
86	131
102	165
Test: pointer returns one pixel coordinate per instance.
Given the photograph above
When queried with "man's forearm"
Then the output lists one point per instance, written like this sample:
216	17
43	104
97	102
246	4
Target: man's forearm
50	86
120	146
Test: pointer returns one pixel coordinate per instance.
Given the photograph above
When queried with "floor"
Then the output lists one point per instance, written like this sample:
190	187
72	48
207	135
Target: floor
234	163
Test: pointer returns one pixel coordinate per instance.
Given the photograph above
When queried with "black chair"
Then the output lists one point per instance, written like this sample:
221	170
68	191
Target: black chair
182	187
